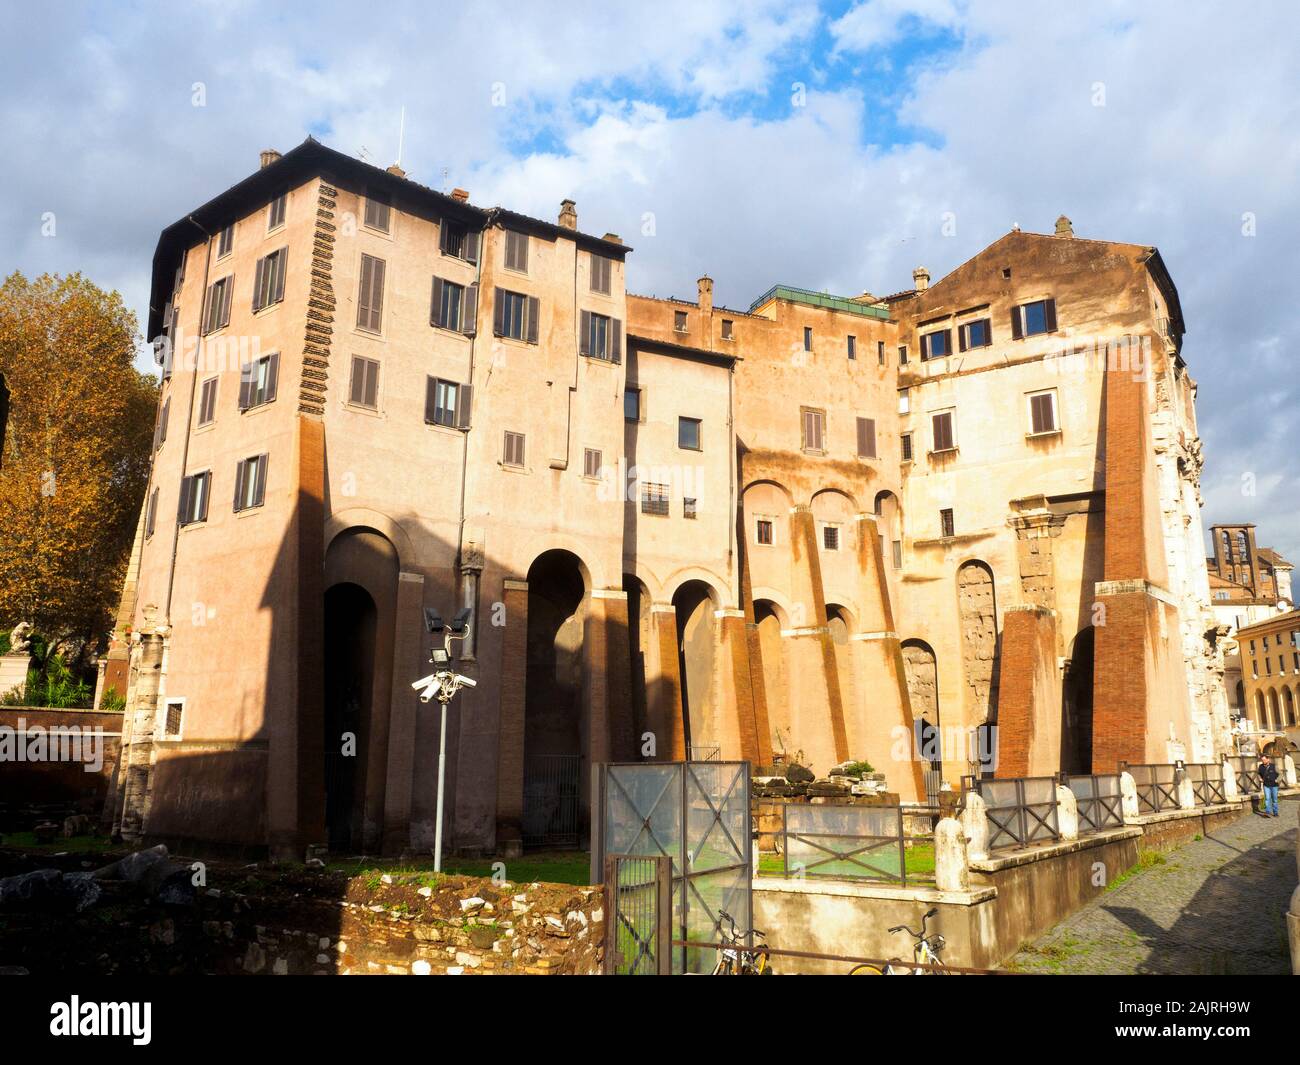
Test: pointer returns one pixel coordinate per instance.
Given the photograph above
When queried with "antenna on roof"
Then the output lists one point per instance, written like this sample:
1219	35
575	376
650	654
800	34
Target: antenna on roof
364	153
401	135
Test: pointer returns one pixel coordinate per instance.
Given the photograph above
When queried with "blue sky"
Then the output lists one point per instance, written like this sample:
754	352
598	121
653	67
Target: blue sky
1157	123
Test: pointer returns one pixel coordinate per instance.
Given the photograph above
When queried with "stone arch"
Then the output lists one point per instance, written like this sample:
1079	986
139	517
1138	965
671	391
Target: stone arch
1288	703
977	615
1274	711
694	602
922	669
840	620
1261	710
363	518
770	618
640	640
833	489
889	526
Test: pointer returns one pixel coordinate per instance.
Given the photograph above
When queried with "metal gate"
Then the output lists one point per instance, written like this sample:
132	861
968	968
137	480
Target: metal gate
552	800
696	814
639	905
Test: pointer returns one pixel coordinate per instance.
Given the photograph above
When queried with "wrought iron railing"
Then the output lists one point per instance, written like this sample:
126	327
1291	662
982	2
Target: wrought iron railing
1157	786
1207	782
1098	799
1246	766
1021	810
844	842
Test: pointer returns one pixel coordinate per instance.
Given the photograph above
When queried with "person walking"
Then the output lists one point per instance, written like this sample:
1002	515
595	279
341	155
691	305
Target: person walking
1268	780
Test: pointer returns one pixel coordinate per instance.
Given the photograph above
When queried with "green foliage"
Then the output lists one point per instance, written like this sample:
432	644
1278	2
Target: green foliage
54	686
857	769
111	702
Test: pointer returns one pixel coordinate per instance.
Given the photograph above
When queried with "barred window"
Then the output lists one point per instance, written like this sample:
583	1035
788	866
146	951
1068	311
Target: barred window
654	499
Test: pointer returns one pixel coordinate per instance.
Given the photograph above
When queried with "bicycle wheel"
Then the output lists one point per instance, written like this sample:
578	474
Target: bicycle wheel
866	970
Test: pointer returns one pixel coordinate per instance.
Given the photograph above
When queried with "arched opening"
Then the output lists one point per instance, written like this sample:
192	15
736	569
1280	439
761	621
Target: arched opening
1274	714
555	711
840	624
889	523
923	692
1261	713
1288	700
1076	708
639	642
350	625
978	613
696	647
769	620
1241	697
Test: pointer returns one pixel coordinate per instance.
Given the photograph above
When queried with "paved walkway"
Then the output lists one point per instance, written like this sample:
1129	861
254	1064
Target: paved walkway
1212	906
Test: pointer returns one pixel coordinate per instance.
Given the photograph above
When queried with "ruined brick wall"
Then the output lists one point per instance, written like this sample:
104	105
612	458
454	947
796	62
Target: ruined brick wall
977	607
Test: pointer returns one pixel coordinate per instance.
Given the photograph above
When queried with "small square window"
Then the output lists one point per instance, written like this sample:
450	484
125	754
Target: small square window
632	404
364	391
936	345
516	251
728	329
688	508
378	211
275	213
513	454
902	354
853	347
943	437
831	537
763	531
1032	319
679	321
689	434
977	334
905	443
1042	413
173	718
904	401
591	462
655	499
807	338
946	526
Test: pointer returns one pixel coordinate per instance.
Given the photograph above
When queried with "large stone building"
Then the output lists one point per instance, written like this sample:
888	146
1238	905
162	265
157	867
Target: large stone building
951	530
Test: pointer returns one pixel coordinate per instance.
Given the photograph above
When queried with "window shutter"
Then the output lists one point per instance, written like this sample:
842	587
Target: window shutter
241	470
357	389
533	307
272	376
260	496
464	397
377	294
471	246
227	289
430	399
584	334
162	421
616	340
1017	328
1049	307
372	383
258	279
435	308
469	310
867	438
947	341
961	337
183	504
281	261
363	293
202	484
498	311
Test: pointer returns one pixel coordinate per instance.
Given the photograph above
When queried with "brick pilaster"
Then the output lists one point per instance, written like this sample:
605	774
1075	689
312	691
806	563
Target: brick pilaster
510	738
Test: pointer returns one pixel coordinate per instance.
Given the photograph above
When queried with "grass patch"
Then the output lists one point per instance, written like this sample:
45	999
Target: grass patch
919	858
76	845
548	867
1146	860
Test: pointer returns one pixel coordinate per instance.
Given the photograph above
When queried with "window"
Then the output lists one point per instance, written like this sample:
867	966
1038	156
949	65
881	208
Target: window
600	337
679	321
807	338
208	401
941	424
250	483
814	429
513	453
364	391
591	462
454	306
515	316
763	531
654	499
268	286
904	401
689	434
275	213
458	242
1030	319
216	308
226	241
193	505
902	354
831	537
853	347
175	709
897	559
905	442
1042	413
946	527
866	438
447	403
378	208
516	251
632	405
151	514
880	353
600	273
728	329
936	345
258	380
977	334
689	509
370	297
1006	273
160	430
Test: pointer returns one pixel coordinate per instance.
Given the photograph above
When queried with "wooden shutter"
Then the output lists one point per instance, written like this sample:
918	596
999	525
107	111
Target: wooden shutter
464	398
204	480
616	339
377	294
356	389
584	334
272	376
1049	311
499	311
151	513
533	307
258	278
430	400
867	438
942	424
372	383
183	503
1041	413
469	310
435	308
260	496
370	300
241	474
281	261
471	246
961	337
227	290
162	420
1017	324
446	234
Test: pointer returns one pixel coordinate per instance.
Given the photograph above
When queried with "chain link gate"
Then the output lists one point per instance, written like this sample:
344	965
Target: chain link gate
638	908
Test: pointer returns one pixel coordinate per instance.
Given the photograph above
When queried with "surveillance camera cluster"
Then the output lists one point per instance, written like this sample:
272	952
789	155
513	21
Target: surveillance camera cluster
444	683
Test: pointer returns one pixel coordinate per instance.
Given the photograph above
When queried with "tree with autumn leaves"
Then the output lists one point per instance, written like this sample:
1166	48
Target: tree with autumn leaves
76	456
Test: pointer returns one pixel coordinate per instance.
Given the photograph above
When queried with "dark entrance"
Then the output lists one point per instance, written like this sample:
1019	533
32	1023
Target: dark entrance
1076	728
349	681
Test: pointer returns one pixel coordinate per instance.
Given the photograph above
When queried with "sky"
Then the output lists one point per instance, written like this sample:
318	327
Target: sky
833	147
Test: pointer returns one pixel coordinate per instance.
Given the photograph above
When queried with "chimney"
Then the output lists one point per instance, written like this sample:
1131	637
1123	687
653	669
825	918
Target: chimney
613	238
460	194
920	279
1064	227
568	214
396	171
706	295
269	156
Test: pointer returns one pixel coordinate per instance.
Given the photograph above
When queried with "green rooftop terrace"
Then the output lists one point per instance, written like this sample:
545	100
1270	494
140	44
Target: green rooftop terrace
819	299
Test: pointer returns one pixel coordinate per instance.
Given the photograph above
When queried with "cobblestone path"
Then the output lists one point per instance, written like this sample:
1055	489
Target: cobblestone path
1212	906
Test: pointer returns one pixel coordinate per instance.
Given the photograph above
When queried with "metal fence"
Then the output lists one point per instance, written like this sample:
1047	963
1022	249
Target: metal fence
698	815
1207	782
639	906
1099	801
1157	786
1021	810
846	842
706	753
1246	766
552	801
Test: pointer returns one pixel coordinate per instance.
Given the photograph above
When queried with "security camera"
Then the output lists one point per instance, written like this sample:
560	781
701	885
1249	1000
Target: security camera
430	684
432	622
464	682
460	623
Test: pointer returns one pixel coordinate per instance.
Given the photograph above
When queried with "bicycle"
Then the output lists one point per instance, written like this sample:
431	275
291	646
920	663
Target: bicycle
736	959
925	951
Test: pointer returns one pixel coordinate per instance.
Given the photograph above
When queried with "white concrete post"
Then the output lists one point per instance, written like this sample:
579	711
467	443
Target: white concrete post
1230	792
1128	791
1293	930
1067	812
1288	771
975	825
1185	791
950	856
